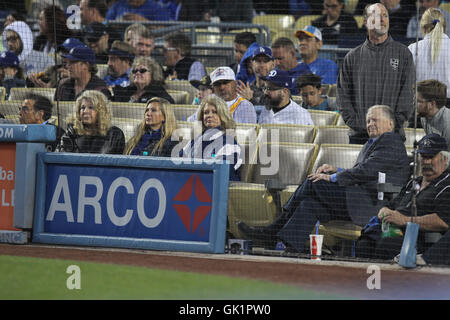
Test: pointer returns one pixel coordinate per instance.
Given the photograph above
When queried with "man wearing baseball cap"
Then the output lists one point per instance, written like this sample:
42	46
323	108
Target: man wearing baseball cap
97	38
80	62
11	73
280	108
261	62
433	208
120	59
309	44
224	86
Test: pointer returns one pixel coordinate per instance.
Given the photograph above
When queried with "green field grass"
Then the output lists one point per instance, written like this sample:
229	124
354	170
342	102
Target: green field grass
35	278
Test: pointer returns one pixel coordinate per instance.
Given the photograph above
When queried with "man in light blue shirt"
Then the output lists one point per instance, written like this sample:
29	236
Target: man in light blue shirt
309	44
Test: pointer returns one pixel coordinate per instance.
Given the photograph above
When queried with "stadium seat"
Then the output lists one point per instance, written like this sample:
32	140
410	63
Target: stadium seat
10	107
128	110
249	154
285	33
182	85
186	131
246	132
248	202
183	111
2	93
331	134
180	97
332	90
287	163
409	134
297	99
128	126
340	121
350	6
359	21
275	21
338	155
102	70
323	118
21	93
286	133
305	21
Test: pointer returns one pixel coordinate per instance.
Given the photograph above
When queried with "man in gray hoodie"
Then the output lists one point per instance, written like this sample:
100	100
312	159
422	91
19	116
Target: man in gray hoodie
17	37
379	71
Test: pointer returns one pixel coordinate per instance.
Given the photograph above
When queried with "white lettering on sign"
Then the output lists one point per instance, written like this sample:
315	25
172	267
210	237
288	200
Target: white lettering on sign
118	219
6	132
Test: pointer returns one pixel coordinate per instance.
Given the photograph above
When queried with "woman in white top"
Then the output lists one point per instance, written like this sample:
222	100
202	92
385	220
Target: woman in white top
433	52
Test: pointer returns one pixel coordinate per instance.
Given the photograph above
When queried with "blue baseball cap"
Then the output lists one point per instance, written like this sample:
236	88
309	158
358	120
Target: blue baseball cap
431	145
280	78
70	43
84	54
9	59
266	51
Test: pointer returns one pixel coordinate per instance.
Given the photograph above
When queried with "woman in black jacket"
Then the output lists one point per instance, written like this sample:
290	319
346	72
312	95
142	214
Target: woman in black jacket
153	137
90	130
146	82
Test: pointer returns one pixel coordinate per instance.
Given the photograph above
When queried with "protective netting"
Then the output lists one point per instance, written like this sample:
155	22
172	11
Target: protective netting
292	83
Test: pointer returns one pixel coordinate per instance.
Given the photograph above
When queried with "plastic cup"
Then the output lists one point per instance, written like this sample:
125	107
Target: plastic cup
315	243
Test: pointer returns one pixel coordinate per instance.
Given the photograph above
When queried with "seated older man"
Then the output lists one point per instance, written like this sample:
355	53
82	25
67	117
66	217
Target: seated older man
432	203
341	194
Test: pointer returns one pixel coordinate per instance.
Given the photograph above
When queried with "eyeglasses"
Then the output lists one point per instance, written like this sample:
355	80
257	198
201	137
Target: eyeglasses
164	49
141	70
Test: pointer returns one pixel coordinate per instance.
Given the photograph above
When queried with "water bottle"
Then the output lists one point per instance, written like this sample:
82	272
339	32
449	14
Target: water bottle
388	231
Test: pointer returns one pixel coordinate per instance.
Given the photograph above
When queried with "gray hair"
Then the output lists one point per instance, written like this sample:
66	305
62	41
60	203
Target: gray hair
387	111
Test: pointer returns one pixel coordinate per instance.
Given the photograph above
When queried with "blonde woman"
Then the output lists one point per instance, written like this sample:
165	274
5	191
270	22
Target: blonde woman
217	139
91	130
433	59
154	133
146	82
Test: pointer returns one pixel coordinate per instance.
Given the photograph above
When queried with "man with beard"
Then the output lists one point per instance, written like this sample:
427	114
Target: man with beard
120	59
280	108
432	203
379	71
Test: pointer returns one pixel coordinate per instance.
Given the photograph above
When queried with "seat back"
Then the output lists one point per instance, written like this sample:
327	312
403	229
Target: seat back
21	93
128	110
2	93
182	85
294	133
246	133
183	111
102	70
410	137
340	121
180	97
339	155
275	21
323	118
331	134
304	21
289	163
128	126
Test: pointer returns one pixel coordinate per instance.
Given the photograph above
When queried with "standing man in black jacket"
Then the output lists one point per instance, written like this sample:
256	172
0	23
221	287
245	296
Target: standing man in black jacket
341	194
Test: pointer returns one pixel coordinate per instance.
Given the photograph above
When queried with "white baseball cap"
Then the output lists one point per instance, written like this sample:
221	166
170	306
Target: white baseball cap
222	73
310	31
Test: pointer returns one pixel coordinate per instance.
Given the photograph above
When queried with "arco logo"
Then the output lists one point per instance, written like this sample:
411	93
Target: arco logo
196	186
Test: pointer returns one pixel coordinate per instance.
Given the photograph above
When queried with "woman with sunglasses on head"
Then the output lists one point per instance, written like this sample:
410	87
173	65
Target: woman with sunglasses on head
90	130
217	139
153	137
146	82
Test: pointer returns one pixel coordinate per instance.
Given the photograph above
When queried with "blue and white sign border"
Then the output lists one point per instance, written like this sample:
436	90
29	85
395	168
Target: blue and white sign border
218	222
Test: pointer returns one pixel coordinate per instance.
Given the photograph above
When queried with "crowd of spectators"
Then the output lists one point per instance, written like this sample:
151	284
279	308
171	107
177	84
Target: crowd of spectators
258	87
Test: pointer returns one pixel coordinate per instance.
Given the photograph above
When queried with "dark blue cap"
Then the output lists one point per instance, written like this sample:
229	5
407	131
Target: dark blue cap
95	31
266	51
280	78
85	54
431	144
9	59
70	43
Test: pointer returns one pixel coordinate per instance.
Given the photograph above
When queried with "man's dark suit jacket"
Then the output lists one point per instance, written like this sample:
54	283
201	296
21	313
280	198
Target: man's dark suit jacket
386	154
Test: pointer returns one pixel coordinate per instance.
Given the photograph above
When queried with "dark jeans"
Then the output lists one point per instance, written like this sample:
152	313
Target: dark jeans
322	200
439	253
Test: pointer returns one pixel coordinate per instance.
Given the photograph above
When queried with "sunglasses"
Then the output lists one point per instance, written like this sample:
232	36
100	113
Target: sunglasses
142	70
12	38
271	88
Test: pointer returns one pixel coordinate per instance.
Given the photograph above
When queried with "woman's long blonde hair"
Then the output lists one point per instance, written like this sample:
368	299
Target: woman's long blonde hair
433	22
103	121
227	122
167	128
